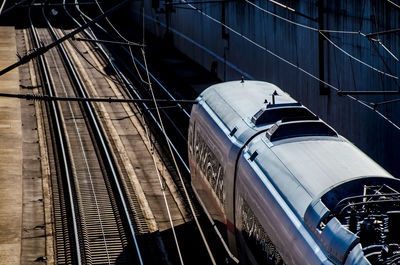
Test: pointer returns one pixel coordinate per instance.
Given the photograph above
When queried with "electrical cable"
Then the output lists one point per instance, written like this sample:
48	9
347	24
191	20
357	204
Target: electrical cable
380	42
321	32
290	63
393	3
91	64
13	6
129	88
162	190
176	166
126	40
356	59
158	174
135	60
2	6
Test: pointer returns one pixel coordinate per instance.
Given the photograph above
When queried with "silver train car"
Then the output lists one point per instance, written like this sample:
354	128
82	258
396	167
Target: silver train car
283	187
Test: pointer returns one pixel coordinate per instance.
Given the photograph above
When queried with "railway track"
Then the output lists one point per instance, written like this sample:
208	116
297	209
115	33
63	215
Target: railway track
176	119
94	223
114	198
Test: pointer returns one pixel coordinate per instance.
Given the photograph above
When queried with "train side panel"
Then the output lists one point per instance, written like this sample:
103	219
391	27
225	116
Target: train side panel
211	165
267	228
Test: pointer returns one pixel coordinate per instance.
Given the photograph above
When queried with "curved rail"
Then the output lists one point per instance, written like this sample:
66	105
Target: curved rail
60	138
99	135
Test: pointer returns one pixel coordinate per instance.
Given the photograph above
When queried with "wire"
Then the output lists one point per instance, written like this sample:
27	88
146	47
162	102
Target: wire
321	32
137	70
111	25
277	16
183	36
162	189
380	42
92	65
391	2
154	161
356	59
290	63
86	99
385	102
141	65
176	165
126	40
2	6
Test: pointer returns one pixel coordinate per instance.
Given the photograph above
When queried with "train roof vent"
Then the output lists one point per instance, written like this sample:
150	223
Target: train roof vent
285	113
283	130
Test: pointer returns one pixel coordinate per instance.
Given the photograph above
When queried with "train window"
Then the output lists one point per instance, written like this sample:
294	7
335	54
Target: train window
219	184
209	166
191	139
260	245
272	115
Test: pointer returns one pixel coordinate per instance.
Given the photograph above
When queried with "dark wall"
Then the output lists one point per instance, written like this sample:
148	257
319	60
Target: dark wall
294	57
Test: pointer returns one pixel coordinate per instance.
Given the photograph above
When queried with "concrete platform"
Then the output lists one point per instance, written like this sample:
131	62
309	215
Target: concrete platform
10	154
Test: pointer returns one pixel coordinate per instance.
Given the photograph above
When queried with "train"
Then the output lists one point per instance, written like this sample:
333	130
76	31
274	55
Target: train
283	187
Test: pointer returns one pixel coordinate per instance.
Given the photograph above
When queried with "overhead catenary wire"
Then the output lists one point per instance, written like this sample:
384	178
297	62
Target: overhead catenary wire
13	6
162	190
375	105
393	3
383	46
136	61
354	58
85	99
2	6
158	174
126	40
130	87
290	63
177	167
330	41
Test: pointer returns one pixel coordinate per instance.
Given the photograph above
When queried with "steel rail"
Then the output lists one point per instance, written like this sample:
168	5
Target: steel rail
109	162
60	139
164	89
129	84
130	89
44	49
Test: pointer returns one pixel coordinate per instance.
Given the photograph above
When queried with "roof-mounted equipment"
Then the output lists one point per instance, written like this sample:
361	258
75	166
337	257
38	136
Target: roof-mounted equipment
284	130
286	111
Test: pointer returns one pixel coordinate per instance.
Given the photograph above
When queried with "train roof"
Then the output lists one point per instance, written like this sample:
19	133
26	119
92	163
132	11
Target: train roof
238	101
281	144
304	168
303	148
